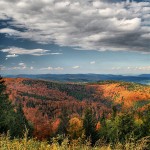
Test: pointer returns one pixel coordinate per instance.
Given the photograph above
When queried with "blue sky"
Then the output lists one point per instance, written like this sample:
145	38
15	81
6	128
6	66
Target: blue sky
74	36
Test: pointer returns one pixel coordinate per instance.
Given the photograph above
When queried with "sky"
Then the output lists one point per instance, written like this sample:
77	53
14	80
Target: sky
75	36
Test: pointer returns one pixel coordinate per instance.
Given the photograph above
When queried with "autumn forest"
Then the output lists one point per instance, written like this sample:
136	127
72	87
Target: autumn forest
103	113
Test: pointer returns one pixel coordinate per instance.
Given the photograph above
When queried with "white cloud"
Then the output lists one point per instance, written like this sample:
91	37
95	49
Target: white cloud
133	68
92	62
144	68
76	67
15	51
47	68
99	25
2	67
31	67
52	68
21	64
55	53
128	67
13	55
10	31
58	68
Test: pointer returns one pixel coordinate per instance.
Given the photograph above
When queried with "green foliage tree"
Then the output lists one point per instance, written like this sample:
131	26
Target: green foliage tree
125	126
121	128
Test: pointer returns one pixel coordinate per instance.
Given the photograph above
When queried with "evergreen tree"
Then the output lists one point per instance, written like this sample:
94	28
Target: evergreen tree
6	109
89	125
20	124
64	121
114	112
14	122
146	123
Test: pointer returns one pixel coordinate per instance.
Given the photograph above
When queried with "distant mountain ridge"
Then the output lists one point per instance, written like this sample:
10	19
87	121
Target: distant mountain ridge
143	78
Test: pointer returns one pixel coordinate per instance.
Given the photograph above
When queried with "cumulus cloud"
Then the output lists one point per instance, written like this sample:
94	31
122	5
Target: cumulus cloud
56	53
95	25
76	67
13	55
58	68
2	67
131	68
31	67
52	68
9	31
15	51
22	65
92	62
47	68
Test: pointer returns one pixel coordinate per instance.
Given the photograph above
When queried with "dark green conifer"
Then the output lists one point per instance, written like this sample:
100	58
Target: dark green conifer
6	109
89	124
14	122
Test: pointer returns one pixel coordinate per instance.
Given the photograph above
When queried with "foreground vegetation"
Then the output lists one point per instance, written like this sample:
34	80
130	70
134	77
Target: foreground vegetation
32	144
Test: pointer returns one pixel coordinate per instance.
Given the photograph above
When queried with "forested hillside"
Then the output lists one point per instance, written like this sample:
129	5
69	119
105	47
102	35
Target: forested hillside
47	105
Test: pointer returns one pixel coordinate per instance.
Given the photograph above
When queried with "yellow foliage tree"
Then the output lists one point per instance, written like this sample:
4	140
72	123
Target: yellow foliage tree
75	128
